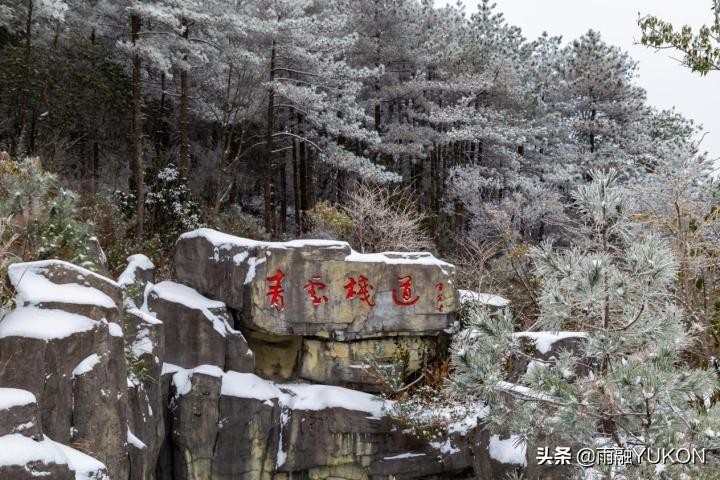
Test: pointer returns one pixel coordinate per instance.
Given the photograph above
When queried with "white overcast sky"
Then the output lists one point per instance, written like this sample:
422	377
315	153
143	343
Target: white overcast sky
667	83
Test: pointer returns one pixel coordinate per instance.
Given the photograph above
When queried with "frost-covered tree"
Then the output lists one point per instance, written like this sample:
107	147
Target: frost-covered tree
35	19
601	104
678	200
496	129
312	104
626	384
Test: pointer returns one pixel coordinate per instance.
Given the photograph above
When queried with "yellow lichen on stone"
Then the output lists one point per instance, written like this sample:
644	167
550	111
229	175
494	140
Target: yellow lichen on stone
349	471
346	362
276	356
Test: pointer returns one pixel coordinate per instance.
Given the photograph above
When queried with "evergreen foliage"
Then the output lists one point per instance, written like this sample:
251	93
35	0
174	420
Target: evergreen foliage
626	384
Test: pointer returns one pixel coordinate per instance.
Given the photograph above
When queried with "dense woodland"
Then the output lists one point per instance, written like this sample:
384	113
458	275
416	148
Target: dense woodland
392	124
389	123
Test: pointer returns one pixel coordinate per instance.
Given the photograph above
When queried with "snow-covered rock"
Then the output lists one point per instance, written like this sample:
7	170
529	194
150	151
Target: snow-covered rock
136	276
488	299
19	413
245	427
25	452
322	287
197	329
24	458
63	344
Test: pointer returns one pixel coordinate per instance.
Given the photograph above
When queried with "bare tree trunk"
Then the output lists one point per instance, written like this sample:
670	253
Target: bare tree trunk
283	195
24	100
593	114
184	114
296	186
376	15
227	139
303	186
94	146
137	148
309	184
269	210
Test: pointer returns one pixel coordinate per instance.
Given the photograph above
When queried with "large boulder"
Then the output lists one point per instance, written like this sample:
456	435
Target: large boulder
22	458
25	453
248	438
230	425
146	423
318	287
198	330
194	421
63	343
54	284
19	413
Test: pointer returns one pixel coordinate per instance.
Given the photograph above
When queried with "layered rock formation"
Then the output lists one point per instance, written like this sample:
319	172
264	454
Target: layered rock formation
208	378
323	305
230	425
64	344
201	328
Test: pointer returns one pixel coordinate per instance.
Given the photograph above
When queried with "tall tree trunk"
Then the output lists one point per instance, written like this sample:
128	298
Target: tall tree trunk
283	195
95	165
303	186
226	143
269	210
593	114
309	184
94	146
377	112
184	113
24	100
137	148
296	186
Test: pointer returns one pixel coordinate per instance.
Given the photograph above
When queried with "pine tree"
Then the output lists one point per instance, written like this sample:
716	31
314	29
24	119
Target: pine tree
701	49
601	104
626	385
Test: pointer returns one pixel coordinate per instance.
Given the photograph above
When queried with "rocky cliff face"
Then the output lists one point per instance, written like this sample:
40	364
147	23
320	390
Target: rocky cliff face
315	309
64	344
238	371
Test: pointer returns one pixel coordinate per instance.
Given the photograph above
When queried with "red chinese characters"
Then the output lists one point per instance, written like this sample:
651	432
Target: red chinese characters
359	288
405	297
276	291
314	287
440	287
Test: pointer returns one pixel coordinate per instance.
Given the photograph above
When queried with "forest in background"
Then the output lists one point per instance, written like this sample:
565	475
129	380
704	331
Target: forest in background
536	166
392	124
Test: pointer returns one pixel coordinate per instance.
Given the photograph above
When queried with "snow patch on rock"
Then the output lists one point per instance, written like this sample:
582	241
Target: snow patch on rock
397	258
14	397
86	365
293	396
509	451
190	298
33	287
223	241
247	385
135	441
16	449
483	298
182	378
135	262
545	340
115	330
44	324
